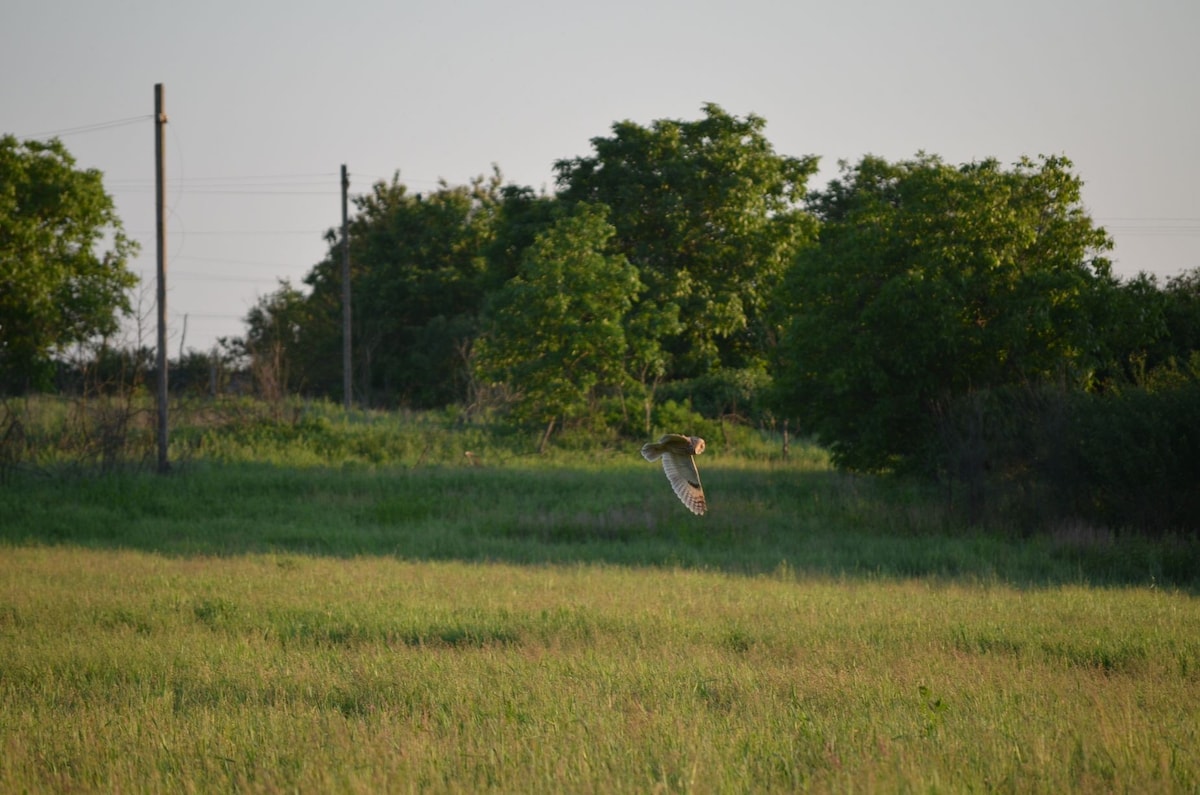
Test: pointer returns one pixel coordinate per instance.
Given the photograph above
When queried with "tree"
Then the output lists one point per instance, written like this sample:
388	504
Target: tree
521	215
556	335
711	217
1182	315
419	275
931	283
56	290
273	342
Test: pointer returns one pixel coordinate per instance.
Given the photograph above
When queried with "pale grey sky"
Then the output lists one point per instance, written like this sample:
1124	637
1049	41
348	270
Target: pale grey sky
266	100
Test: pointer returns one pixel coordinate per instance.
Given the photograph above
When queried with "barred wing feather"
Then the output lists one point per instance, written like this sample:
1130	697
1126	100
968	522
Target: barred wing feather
685	480
679	464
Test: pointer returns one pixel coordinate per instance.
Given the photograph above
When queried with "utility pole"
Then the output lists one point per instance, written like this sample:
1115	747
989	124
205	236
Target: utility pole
160	193
347	381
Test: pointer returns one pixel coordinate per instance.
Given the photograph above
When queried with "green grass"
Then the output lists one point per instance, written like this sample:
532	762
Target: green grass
403	621
763	515
264	672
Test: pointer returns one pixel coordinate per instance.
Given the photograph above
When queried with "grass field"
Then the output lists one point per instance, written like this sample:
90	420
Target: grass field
425	625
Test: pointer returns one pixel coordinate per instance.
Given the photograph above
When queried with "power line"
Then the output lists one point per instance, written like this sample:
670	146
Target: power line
205	191
293	179
264	189
1149	226
311	176
1182	231
177	313
1151	219
212	183
262	232
223	261
321	232
88	128
193	276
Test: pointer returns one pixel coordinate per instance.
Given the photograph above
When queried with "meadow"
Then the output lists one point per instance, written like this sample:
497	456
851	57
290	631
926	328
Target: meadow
351	604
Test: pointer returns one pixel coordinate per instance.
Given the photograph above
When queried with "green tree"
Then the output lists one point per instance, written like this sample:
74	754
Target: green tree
557	332
930	283
520	217
56	288
419	275
421	286
1131	321
274	343
1182	316
711	217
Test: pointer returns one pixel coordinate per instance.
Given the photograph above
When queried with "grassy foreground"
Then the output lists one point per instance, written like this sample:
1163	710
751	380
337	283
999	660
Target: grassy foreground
529	628
132	671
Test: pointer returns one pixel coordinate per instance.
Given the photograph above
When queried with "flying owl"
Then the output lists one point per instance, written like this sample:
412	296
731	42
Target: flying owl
676	452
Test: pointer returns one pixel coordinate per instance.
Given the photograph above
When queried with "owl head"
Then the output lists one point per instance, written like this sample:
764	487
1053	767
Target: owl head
697	445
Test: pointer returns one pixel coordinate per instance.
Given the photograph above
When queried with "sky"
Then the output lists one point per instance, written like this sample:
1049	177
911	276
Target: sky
267	100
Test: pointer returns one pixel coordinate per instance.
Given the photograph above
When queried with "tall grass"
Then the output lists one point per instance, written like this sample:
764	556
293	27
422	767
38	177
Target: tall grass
762	516
51	431
266	672
377	611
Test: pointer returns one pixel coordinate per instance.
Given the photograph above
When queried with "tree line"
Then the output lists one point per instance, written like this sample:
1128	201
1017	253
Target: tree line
957	322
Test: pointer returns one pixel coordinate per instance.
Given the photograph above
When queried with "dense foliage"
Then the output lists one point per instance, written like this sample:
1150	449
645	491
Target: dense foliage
56	288
956	322
712	218
932	282
708	215
557	331
420	272
962	322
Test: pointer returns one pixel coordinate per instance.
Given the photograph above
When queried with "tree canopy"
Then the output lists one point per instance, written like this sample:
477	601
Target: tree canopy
63	256
421	268
959	321
711	216
930	281
914	316
557	334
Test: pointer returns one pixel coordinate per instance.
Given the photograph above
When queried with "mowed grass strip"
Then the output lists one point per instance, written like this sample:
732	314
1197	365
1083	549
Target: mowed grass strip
129	670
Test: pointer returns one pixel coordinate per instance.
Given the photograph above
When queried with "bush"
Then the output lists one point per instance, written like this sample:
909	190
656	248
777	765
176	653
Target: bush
1127	458
1136	457
674	417
728	392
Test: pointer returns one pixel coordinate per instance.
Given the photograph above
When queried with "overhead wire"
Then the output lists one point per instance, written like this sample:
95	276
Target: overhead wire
325	184
240	262
193	276
293	184
88	128
140	232
1149	226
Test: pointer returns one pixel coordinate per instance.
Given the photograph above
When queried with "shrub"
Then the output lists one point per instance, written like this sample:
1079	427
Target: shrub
1135	457
1127	458
728	392
674	417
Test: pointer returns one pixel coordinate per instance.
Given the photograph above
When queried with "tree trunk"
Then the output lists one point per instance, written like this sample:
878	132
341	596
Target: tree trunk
546	436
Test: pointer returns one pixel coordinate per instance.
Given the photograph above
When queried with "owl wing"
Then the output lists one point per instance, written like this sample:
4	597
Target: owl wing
672	442
685	480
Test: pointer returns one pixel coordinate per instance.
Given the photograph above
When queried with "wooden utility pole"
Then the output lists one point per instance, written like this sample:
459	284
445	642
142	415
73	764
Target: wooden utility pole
160	193
347	381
